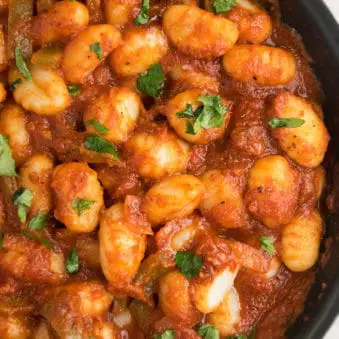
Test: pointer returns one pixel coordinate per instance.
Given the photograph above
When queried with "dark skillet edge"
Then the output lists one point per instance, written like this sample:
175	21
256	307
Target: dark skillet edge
320	33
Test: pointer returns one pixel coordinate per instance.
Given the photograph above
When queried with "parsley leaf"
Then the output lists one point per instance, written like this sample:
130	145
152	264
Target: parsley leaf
38	222
188	263
7	163
13	85
97	49
100	145
73	90
33	236
22	198
168	334
21	64
211	114
252	335
267	244
72	262
143	16
222	6
207	331
286	122
98	126
81	204
1	239
152	81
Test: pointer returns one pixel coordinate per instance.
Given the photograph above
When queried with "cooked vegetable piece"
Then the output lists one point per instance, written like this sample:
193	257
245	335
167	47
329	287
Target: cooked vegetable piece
151	83
38	222
7	163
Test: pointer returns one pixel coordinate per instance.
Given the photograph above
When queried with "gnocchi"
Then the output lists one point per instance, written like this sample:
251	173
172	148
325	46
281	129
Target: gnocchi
262	65
173	197
272	192
306	144
140	49
198	33
78	196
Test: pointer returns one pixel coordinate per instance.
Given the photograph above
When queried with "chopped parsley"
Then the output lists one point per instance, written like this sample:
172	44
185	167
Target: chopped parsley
267	244
38	222
12	86
81	204
33	236
23	199
252	335
72	262
100	145
151	82
98	126
7	163
168	334
96	49
286	122
208	331
21	64
143	16
222	6
73	90
188	263
211	114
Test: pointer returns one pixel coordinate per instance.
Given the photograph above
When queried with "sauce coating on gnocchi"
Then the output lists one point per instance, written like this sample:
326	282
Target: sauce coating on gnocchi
160	170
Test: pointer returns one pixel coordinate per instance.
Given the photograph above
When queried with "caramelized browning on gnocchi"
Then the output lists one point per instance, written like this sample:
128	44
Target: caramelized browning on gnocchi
160	170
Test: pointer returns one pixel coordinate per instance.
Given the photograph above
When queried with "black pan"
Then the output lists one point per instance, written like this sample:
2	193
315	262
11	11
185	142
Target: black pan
320	33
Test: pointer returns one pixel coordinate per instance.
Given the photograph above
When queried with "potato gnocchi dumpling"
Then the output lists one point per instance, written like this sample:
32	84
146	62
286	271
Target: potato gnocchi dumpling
227	315
45	93
36	175
61	20
87	50
119	12
254	23
207	296
199	33
179	104
158	154
140	49
306	144
78	196
113	114
262	65
121	249
13	124
173	197
300	241
175	299
15	327
223	199
272	191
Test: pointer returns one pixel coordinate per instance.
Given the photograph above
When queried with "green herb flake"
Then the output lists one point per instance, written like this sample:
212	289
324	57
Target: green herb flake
207	331
13	85
7	163
21	64
38	222
23	199
189	264
100	145
73	90
151	82
33	236
72	262
222	6
96	49
143	16
210	115
98	126
267	244
286	122
252	335
81	204
168	334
